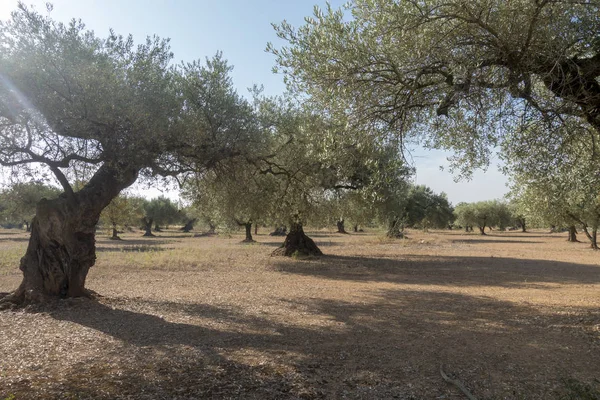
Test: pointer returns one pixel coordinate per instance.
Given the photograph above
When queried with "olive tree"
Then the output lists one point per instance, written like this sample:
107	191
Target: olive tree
460	74
122	211
69	98
569	197
314	158
483	214
160	211
21	199
234	194
426	209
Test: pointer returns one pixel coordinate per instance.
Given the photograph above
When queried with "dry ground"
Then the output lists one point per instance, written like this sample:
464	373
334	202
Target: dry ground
512	315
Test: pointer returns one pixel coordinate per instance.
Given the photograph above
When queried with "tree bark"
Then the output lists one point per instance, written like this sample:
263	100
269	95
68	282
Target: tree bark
115	234
157	228
593	236
148	227
395	229
248	226
355	228
482	230
62	245
256	228
340	226
279	231
297	243
189	225
27	226
211	229
572	234
523	227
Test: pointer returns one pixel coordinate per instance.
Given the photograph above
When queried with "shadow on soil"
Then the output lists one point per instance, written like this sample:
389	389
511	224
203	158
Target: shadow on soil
389	347
477	241
131	249
14	239
448	271
317	242
132	242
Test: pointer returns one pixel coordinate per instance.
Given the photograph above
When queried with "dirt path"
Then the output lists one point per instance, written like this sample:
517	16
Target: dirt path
511	315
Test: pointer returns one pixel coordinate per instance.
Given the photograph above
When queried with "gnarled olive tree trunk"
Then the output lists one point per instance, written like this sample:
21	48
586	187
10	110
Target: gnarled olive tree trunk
248	227
62	245
296	242
341	226
148	226
115	233
572	234
189	225
395	229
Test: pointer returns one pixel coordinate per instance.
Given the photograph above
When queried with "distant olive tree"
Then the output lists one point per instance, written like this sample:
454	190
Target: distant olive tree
483	214
20	201
122	211
426	209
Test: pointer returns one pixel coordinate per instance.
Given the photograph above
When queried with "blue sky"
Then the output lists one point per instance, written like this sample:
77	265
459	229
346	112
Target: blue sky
241	29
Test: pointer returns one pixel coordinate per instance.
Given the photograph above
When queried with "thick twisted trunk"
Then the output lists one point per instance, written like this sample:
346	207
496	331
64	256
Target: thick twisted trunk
297	243
62	245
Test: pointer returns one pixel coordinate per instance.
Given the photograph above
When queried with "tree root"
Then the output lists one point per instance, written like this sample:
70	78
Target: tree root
33	301
6	301
458	384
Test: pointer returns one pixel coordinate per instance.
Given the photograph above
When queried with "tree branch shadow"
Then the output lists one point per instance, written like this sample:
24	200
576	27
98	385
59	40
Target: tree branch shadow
388	347
444	270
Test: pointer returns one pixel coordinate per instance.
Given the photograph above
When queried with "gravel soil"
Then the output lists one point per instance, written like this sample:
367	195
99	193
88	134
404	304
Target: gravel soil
510	315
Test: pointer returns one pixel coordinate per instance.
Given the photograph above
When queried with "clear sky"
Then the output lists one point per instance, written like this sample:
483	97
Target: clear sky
241	29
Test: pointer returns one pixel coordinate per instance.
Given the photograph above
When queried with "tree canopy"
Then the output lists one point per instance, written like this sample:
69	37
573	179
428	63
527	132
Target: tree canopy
20	200
70	98
459	74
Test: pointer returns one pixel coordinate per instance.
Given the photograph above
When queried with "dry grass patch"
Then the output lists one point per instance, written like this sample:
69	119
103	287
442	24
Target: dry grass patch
513	316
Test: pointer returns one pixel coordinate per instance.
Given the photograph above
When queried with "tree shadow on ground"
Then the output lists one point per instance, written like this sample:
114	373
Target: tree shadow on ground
479	241
132	249
14	239
444	270
508	234
317	242
389	347
131	242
